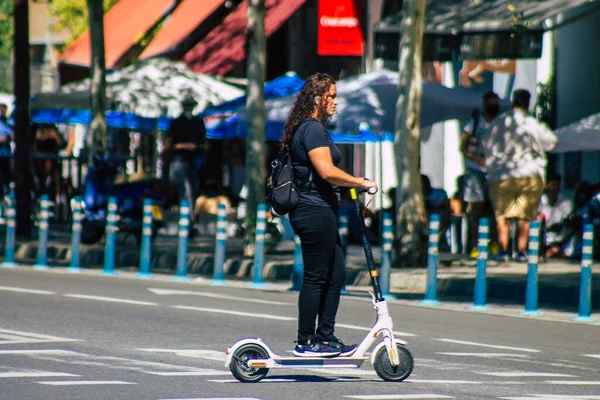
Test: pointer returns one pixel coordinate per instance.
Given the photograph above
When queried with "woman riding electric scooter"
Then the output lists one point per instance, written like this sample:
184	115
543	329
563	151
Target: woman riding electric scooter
315	158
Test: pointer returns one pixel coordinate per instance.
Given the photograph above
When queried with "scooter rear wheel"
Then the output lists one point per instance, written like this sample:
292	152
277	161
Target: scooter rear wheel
386	371
239	364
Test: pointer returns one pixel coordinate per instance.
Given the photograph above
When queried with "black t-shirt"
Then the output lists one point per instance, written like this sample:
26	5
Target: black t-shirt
310	135
187	130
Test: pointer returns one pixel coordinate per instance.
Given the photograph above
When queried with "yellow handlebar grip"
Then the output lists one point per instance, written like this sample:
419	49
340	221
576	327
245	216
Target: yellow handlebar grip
353	193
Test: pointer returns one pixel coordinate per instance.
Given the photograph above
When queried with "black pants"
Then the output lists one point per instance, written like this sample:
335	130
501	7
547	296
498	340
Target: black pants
324	270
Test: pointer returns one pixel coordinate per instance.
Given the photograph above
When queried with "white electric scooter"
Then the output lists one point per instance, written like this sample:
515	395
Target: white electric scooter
250	359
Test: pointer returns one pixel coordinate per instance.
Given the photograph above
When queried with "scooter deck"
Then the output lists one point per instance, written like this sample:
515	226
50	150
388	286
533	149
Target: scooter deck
308	362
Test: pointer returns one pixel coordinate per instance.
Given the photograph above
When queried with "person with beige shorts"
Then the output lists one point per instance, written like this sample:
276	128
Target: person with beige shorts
514	150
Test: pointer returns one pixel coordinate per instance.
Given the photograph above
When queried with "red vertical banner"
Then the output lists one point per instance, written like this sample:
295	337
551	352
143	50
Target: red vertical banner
340	30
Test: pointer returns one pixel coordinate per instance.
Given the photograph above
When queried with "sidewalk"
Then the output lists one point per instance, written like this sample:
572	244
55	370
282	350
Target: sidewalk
558	280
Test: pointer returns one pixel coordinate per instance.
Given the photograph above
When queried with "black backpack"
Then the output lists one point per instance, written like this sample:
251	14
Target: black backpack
282	193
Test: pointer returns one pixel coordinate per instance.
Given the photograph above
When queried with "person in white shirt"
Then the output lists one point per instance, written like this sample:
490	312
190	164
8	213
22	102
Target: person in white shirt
514	147
555	207
475	183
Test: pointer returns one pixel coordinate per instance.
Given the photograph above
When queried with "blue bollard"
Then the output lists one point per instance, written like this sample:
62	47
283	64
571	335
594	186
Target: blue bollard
386	256
531	292
259	247
298	271
111	238
182	247
585	286
146	250
218	271
9	251
76	236
432	261
42	256
343	232
480	296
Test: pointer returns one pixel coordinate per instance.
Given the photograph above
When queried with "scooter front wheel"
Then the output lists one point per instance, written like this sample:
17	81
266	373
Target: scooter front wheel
386	371
239	364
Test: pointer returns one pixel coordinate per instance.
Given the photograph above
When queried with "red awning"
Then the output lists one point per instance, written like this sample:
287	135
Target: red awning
124	24
187	17
223	48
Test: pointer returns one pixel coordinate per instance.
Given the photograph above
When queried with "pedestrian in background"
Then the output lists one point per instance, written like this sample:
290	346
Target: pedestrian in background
315	219
476	193
184	152
514	148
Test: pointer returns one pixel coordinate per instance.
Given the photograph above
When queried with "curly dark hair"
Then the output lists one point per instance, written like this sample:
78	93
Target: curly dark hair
304	103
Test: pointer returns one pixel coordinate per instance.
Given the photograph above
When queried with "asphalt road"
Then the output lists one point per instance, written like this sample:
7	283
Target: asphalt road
85	336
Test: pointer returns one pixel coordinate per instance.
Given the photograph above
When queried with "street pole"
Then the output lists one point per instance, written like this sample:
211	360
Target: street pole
22	156
255	142
98	77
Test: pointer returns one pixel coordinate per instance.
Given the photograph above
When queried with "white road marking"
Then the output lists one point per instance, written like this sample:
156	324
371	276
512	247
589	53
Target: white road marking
47	352
573	383
524	374
111	299
485	355
492	346
265	380
343	371
25	290
552	397
365	328
217	296
218	398
446	381
39	374
203	372
146	367
399	396
85	383
13	337
240	313
213	355
592	355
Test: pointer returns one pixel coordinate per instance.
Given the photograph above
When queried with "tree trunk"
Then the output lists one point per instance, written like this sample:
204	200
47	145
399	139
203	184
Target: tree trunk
255	142
22	166
411	228
98	78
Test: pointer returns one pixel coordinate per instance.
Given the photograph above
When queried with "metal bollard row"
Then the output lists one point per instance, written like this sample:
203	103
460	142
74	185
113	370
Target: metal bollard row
259	249
432	261
43	225
219	265
9	251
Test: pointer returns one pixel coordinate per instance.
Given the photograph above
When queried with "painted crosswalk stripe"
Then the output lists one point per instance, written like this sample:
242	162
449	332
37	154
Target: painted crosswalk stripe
12	337
446	381
574	383
265	380
213	355
85	383
485	355
111	299
592	355
492	346
37	374
343	371
367	328
399	396
525	374
206	372
217	398
25	290
240	313
217	296
553	397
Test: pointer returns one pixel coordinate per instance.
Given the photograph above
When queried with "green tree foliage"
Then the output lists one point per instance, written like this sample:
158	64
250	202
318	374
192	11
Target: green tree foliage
72	15
6	29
